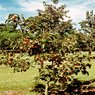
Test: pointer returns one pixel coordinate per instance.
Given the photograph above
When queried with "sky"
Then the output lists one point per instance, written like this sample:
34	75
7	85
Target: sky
77	8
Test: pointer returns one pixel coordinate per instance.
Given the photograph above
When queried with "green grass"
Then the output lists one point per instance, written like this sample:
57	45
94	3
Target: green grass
16	81
91	73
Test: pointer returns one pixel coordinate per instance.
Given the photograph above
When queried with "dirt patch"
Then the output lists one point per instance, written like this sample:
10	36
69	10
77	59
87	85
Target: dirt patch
11	92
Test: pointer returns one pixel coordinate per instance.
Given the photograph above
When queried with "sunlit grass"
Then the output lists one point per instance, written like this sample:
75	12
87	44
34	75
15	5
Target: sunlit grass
91	73
16	81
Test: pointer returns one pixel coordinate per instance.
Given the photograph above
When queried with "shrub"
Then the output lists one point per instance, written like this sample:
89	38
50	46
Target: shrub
10	40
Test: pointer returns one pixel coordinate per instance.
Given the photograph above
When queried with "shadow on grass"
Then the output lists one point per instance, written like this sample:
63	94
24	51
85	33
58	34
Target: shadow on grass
75	88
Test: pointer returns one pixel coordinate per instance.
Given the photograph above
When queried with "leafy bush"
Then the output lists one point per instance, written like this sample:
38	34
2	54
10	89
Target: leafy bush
18	63
10	40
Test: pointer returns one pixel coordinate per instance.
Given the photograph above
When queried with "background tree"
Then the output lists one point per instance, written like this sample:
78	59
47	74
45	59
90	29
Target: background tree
10	41
55	1
15	20
2	27
88	28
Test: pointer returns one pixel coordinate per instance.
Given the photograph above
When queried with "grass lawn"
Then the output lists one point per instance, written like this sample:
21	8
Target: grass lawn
24	81
91	73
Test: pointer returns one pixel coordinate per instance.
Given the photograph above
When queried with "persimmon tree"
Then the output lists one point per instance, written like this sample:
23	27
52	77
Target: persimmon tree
58	42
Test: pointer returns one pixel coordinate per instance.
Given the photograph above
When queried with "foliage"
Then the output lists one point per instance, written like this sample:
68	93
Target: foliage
15	20
49	28
58	42
51	20
60	70
17	62
88	27
55	1
2	27
10	40
20	64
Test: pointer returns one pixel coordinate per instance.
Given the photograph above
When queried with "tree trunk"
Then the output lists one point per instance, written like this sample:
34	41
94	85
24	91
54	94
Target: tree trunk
46	88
